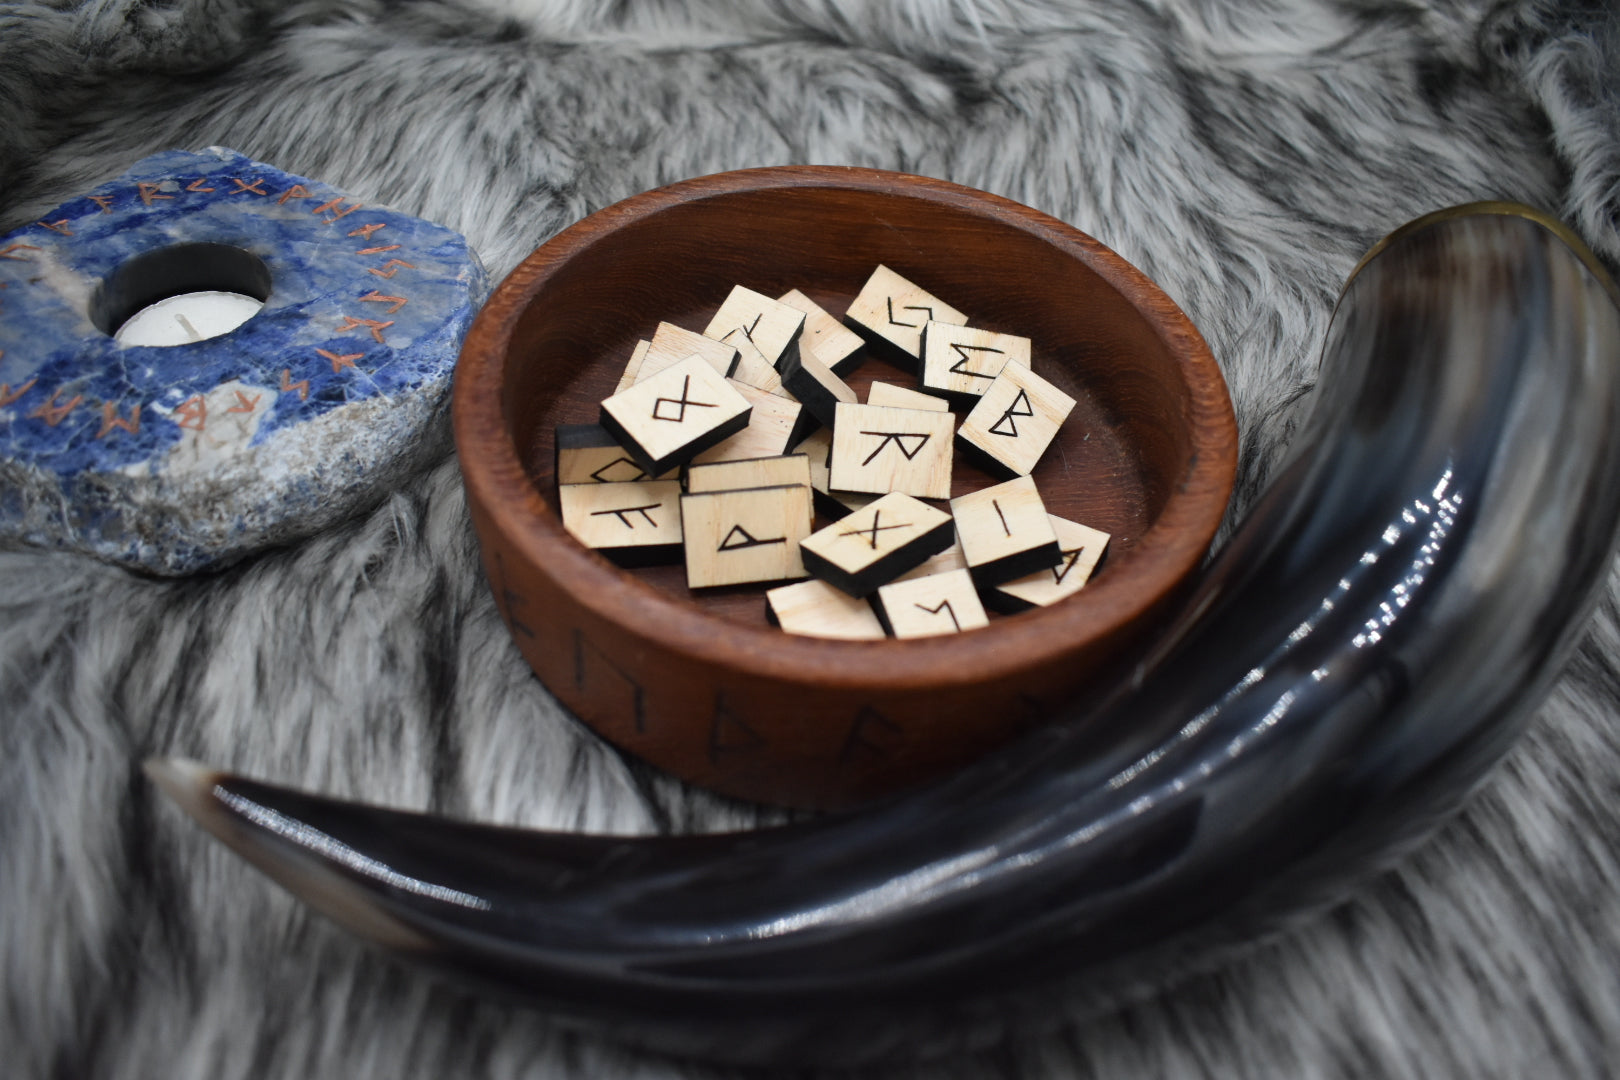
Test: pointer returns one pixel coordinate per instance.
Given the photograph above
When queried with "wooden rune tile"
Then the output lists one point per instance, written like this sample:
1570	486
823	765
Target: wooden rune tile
816	609
900	397
834	344
878	450
960	363
670	418
769	432
619	517
1005	531
877	543
1081	545
769	325
949	559
746	535
929	606
834	504
815	385
755	370
1016	420
633	368
748	473
671	344
890	313
589	454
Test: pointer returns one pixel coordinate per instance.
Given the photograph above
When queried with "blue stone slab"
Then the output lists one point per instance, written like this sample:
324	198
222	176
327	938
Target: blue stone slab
175	459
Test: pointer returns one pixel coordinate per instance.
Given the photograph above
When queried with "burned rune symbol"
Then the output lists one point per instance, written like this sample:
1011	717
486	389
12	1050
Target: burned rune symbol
623	514
739	538
1013	410
872	734
960	367
728	731
1002	516
945	606
747	331
638	696
600	475
909	307
1061	570
682	402
898	438
511	599
871	531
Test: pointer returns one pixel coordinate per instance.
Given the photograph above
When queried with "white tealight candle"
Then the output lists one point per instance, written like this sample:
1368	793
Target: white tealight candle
189	317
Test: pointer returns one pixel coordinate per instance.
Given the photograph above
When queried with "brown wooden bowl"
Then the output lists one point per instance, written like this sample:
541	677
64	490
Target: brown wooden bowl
700	684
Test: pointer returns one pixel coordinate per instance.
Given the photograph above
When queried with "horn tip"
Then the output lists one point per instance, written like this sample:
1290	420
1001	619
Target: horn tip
185	781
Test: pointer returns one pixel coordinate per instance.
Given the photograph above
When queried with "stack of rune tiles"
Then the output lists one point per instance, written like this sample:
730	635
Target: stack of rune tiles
720	448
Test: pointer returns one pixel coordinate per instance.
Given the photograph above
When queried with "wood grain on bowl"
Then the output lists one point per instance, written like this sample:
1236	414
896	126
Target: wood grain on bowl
699	683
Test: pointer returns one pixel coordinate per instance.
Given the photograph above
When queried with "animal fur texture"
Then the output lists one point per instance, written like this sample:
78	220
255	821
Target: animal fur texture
1244	153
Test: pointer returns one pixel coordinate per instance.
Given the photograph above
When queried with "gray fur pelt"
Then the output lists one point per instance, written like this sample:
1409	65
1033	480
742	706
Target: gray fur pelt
1244	153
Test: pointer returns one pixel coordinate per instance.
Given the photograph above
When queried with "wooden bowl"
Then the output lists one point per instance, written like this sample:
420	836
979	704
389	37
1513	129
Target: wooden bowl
698	683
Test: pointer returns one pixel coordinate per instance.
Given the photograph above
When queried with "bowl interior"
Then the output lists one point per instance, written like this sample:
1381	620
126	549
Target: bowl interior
1117	459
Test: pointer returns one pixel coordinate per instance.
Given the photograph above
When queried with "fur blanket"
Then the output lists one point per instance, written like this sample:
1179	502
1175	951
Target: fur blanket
1243	154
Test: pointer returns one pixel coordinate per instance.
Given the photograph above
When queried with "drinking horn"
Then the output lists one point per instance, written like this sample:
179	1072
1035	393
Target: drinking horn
1369	641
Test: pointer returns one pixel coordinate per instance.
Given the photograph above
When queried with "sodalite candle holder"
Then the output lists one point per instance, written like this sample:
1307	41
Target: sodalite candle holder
176	459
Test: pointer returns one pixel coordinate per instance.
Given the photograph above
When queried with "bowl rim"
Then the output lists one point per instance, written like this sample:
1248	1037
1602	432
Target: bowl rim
1172	547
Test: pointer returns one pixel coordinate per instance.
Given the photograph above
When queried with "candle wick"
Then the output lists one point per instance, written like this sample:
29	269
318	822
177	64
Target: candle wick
191	330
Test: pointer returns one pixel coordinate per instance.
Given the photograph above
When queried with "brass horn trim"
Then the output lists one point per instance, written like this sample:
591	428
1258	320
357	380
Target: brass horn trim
1503	208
